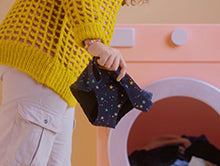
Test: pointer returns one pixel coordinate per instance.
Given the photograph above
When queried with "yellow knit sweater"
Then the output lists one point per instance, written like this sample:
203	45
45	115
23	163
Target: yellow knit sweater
44	38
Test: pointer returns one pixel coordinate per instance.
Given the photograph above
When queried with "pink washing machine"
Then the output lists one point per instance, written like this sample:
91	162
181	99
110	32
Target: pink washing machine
180	65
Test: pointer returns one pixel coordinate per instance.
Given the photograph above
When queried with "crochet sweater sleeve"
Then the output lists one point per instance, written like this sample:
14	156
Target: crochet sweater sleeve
92	18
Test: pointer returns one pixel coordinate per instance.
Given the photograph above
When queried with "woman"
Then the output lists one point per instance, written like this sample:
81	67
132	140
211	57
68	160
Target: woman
41	54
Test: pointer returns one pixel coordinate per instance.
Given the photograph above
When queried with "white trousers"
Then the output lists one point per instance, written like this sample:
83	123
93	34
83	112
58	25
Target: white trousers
35	123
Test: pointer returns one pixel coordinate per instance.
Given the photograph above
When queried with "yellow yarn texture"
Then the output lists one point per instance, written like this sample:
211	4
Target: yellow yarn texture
44	38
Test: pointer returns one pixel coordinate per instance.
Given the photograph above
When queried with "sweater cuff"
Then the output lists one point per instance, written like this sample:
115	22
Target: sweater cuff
89	32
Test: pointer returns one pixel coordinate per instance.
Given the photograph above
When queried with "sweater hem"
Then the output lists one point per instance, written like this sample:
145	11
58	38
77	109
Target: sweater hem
27	58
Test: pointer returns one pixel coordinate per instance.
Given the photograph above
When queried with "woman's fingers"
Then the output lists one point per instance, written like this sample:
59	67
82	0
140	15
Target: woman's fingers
103	57
115	64
108	64
123	70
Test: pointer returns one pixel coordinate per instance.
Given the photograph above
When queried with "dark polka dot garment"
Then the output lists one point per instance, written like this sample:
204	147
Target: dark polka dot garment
104	100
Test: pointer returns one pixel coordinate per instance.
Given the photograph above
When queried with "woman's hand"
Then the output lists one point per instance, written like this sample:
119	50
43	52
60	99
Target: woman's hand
109	58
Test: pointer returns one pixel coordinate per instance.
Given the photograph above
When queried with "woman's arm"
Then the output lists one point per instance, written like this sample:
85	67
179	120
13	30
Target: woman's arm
95	19
90	19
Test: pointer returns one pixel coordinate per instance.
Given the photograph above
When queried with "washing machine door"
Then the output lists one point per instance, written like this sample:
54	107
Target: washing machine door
169	87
